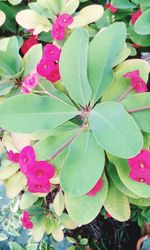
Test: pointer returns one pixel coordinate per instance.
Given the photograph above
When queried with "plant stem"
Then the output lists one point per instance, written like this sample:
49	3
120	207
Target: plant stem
138	109
67	143
50	94
124	94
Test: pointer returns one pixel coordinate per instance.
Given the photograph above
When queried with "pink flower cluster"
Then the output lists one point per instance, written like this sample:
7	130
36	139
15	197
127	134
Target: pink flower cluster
38	173
30	82
28	43
140	167
59	27
111	7
98	186
135	16
136	81
49	65
25	219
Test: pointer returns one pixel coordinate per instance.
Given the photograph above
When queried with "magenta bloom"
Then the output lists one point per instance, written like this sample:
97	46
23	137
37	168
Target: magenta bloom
40	172
25	219
54	76
28	43
65	20
98	186
111	7
52	52
36	187
135	16
135	45
44	67
14	157
31	80
137	82
60	25
26	159
58	32
140	167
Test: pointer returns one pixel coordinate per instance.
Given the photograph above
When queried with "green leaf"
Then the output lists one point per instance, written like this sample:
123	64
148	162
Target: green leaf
32	58
142	25
5	88
70	7
121	84
30	19
142	117
39	227
7	171
87	15
143	2
123	4
3	237
15	184
140	189
15	2
32	113
58	203
2	17
74	68
67	221
104	50
27	200
84	209
15	246
117	204
57	232
142	40
140	202
115	130
79	174
117	181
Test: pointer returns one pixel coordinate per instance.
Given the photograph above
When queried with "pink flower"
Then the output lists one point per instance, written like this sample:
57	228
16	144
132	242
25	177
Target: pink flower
26	159
25	219
98	186
54	76
135	16
108	215
111	7
28	43
36	187
30	82
136	81
14	157
65	20
44	67
52	52
134	45
25	90
60	25
40	172
140	167
58	32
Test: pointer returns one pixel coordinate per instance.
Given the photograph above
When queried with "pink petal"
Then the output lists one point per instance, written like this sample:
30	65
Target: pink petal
26	159
64	20
14	157
98	186
135	16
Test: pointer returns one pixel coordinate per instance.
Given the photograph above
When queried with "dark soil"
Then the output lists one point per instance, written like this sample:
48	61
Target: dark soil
109	234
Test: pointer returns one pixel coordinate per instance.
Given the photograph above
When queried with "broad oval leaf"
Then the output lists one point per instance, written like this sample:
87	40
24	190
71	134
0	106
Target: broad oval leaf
143	202
32	113
27	200
57	232
112	171
115	130
73	68
31	59
14	2
2	17
121	84
117	204
87	15
58	203
70	6
8	170
142	25
30	19
15	184
140	189
142	117
83	166
39	226
104	50
84	209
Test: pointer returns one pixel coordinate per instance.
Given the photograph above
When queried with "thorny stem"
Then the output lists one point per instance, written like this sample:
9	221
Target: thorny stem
138	109
124	94
68	142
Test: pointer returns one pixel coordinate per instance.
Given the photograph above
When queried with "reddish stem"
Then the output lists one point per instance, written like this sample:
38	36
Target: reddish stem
138	109
124	94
